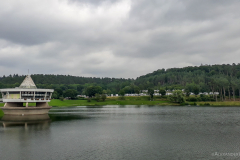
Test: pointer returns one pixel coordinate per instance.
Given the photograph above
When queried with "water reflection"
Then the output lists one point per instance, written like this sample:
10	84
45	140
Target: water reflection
66	117
26	121
122	132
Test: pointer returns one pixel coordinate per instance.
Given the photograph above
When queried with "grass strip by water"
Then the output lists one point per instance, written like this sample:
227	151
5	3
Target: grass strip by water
1	113
59	103
220	103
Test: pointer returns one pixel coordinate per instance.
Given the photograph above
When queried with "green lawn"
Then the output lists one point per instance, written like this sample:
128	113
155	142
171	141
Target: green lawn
111	101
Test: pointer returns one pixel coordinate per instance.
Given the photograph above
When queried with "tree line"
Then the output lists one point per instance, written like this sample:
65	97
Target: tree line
224	79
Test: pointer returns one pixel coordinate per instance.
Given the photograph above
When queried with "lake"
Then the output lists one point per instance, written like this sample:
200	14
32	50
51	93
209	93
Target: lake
123	132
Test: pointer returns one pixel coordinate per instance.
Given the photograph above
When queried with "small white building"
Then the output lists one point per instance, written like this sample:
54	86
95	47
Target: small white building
27	92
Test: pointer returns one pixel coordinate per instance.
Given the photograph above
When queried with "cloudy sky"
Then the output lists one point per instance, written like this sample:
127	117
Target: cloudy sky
116	38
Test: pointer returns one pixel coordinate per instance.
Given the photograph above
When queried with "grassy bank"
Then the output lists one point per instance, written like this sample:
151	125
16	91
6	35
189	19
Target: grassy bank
136	101
144	100
1	113
113	101
225	103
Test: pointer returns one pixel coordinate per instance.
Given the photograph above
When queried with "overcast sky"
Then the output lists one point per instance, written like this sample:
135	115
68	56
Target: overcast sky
116	38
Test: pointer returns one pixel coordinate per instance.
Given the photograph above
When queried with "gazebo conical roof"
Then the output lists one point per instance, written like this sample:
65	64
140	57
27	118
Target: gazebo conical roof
28	83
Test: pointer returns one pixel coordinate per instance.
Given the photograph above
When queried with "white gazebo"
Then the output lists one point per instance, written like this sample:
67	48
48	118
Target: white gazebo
27	93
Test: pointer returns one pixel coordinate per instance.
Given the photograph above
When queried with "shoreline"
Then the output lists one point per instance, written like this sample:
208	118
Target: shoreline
134	101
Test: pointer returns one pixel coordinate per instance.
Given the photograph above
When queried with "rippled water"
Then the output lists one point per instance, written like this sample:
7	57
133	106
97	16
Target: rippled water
123	132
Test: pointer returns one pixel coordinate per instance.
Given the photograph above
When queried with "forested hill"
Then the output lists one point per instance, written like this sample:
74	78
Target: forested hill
66	82
59	79
205	77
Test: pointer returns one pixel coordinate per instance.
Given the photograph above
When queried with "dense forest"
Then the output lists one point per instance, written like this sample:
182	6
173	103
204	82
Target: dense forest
65	82
224	79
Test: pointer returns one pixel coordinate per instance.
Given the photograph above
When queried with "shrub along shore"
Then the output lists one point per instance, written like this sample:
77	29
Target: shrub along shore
143	100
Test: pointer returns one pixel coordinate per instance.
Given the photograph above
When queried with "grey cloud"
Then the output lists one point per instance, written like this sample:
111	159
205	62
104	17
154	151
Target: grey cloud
93	2
102	38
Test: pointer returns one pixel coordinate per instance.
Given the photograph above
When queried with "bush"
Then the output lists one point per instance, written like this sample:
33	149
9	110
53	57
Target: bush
97	97
150	98
89	100
204	97
81	98
192	99
61	98
121	98
184	104
177	97
164	96
103	97
206	104
212	99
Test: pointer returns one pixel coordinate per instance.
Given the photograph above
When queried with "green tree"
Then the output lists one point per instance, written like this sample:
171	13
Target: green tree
72	93
162	91
104	91
128	89
59	91
225	84
188	89
177	97
97	97
234	84
55	95
103	97
92	90
136	89
195	89
187	92
151	92
121	92
80	88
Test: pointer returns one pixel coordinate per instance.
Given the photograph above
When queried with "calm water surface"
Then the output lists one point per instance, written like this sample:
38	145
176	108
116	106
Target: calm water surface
123	132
